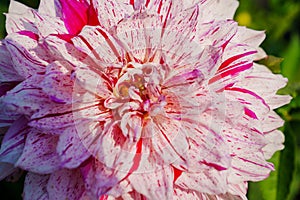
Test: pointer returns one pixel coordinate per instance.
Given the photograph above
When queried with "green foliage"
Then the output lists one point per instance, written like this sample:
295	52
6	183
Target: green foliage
280	19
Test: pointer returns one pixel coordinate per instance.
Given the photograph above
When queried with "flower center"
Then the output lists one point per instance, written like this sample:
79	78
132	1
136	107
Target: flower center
137	96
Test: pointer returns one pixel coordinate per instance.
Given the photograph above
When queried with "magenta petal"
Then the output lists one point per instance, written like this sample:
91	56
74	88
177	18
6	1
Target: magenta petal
35	187
74	10
39	154
65	184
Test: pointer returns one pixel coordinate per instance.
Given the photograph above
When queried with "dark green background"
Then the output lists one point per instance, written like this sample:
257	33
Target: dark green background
281	20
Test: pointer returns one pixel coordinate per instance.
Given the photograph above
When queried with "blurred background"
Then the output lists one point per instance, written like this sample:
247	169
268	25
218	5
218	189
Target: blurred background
281	21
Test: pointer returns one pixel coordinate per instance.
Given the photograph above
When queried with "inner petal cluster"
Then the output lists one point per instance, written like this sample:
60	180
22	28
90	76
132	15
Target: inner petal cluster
137	96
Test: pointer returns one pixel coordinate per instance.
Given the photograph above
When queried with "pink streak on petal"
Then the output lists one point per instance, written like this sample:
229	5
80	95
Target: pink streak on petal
250	113
74	15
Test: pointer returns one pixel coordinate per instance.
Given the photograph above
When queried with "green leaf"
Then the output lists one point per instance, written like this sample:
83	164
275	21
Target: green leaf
286	165
266	189
272	62
291	64
269	186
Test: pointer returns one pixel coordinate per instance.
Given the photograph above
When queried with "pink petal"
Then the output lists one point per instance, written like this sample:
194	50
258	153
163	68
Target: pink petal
14	141
166	9
239	189
65	184
168	137
250	167
7	71
204	182
248	100
50	7
63	50
39	154
19	17
33	98
271	122
35	186
113	149
57	116
266	84
131	126
111	12
179	31
154	184
47	25
25	53
57	82
275	143
94	82
180	194
215	10
101	180
216	33
249	37
74	10
263	81
138	37
278	100
207	149
99	44
70	149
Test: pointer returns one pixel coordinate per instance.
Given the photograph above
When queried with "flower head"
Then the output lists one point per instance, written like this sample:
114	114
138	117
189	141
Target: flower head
140	99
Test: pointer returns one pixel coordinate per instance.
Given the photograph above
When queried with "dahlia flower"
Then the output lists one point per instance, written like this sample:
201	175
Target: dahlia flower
135	99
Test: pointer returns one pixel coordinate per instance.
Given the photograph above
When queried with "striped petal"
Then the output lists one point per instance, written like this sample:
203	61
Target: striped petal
39	154
65	184
36	186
